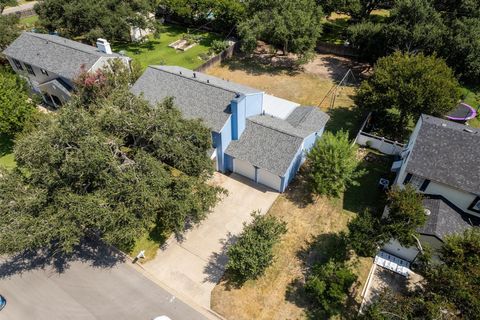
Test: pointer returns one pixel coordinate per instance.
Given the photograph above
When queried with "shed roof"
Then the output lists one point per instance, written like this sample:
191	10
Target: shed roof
266	148
443	220
55	54
195	99
447	152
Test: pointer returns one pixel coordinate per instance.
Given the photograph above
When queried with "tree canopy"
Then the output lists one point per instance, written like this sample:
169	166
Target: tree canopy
7	3
16	108
292	25
252	253
409	84
405	215
446	27
9	30
222	15
92	19
332	164
116	168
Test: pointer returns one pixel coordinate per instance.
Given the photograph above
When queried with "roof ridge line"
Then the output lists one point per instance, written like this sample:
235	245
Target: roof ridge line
65	45
194	79
277	129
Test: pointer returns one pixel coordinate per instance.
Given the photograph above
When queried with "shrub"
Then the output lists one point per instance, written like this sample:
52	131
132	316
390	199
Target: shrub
332	164
366	234
328	286
252	253
218	46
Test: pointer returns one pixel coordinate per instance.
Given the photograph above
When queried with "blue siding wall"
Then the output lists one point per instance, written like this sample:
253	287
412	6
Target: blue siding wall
299	158
254	104
238	108
221	141
228	160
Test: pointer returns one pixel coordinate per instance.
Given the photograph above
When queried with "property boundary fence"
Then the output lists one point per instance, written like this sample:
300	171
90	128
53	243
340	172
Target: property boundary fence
381	144
225	54
337	49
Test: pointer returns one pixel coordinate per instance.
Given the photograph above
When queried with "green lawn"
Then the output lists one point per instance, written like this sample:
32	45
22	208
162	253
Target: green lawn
471	96
6	153
367	194
28	22
157	51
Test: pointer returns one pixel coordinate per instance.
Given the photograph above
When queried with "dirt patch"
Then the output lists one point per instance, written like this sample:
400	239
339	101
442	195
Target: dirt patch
313	235
307	87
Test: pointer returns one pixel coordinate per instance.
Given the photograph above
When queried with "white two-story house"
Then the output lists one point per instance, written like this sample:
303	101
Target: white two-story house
51	63
442	161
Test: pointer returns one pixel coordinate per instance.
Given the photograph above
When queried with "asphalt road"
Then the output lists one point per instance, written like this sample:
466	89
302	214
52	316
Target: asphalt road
83	291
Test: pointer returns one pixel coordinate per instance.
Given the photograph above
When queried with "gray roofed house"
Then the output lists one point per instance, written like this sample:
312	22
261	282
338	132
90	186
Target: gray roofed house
202	77
56	54
443	220
195	99
51	63
308	119
265	147
447	152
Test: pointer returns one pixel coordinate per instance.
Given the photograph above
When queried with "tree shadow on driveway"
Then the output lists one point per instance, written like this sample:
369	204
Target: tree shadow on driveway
93	252
215	268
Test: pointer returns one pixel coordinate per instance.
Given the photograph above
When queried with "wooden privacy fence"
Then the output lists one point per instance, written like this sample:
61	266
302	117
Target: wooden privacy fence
225	54
337	49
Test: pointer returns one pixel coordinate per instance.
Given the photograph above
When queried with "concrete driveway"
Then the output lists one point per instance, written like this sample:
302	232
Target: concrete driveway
195	264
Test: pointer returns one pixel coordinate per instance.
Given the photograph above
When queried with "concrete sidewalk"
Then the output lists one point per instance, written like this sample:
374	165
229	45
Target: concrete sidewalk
195	264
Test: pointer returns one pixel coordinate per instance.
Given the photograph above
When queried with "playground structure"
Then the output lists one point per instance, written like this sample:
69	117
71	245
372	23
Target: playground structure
334	94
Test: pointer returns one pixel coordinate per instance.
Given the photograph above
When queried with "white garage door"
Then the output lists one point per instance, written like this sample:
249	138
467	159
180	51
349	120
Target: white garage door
269	179
244	168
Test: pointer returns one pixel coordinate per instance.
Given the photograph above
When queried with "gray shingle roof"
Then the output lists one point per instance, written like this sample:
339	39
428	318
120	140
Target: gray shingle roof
55	54
266	148
443	219
195	99
447	152
302	122
308	119
225	84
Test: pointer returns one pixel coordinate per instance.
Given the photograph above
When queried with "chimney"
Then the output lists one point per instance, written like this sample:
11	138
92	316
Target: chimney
104	46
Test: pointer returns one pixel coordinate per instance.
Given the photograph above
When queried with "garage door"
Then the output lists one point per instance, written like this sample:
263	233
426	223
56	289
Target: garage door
269	179
244	168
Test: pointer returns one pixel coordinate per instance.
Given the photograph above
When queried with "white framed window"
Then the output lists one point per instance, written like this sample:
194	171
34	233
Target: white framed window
416	181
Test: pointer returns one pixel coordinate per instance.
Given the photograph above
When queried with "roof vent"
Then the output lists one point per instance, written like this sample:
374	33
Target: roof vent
194	75
468	130
444	124
104	46
208	81
427	212
180	72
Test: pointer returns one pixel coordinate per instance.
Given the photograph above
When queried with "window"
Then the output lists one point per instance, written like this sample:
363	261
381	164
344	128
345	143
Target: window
475	206
18	64
416	181
29	69
44	72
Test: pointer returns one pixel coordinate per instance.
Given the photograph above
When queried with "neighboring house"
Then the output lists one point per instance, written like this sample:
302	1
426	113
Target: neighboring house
51	63
442	160
256	135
